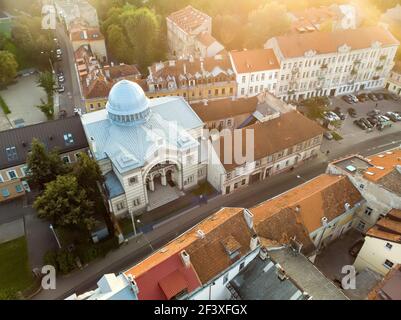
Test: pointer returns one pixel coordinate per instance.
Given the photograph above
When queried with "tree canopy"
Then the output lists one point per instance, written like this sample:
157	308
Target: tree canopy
8	67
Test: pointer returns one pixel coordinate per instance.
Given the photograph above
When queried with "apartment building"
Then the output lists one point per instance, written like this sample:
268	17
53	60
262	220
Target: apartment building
333	63
66	135
394	80
82	35
381	251
189	33
278	146
194	79
378	178
256	71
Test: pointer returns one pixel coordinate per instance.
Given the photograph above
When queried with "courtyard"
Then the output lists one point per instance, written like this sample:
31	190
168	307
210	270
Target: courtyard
22	99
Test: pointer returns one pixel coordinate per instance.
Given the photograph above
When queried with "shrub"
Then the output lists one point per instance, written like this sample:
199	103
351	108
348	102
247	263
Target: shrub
62	260
4	106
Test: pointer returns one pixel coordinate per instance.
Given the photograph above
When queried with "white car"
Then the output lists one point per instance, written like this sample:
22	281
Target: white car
331	116
61	89
58	52
61	79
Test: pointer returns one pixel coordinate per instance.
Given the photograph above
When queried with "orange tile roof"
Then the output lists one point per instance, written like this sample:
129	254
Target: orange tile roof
184	241
384	164
324	196
224	108
254	60
295	45
388	228
88	34
188	18
123	71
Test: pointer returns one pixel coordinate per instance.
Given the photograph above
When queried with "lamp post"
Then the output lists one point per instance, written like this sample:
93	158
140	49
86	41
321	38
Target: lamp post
55	235
301	178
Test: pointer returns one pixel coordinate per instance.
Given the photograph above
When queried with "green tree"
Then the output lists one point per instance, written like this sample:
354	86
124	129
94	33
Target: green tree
46	81
117	43
8	67
88	174
65	203
266	22
44	166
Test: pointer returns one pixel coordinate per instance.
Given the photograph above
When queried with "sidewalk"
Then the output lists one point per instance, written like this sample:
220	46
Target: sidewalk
140	247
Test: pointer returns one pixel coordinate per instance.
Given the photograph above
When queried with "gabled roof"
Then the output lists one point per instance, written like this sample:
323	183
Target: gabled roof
256	60
51	133
299	211
86	34
388	228
224	108
188	18
273	136
207	251
296	45
123	71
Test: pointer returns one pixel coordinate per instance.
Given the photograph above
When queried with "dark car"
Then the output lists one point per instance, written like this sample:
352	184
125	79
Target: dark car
363	97
373	121
360	124
367	123
348	100
338	112
372	97
352	112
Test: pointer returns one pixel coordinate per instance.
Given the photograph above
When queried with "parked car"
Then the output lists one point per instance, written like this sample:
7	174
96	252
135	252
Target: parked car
395	117
363	97
331	116
328	135
61	79
61	89
374	113
339	113
352	112
360	124
367	123
372	97
59	52
354	98
348	100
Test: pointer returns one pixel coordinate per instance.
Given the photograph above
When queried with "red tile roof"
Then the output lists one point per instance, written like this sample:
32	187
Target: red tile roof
88	34
254	60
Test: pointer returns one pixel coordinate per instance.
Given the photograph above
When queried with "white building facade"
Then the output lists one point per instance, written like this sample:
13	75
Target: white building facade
333	63
147	149
394	80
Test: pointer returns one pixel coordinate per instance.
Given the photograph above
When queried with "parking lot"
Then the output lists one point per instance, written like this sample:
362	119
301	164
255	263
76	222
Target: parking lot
350	132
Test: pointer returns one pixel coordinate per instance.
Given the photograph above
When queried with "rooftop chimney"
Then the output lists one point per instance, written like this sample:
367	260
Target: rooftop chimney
248	218
186	260
254	242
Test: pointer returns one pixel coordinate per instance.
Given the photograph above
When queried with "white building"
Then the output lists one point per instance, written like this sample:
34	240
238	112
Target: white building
333	63
394	80
256	71
69	11
378	178
146	149
189	33
381	250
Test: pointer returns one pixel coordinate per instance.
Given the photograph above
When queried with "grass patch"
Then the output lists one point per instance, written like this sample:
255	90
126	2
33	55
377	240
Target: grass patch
4	106
15	273
337	136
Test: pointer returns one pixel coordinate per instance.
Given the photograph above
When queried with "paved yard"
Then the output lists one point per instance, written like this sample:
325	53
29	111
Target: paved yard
22	99
11	230
336	255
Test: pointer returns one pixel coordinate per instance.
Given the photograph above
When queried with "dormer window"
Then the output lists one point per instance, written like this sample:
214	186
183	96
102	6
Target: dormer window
68	139
11	154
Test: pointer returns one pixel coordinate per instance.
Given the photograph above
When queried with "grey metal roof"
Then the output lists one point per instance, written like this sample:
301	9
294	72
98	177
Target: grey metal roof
113	185
16	142
259	281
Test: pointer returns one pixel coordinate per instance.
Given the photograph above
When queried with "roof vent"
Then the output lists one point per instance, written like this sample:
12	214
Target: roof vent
186	260
281	273
325	222
347	206
380	168
370	173
200	234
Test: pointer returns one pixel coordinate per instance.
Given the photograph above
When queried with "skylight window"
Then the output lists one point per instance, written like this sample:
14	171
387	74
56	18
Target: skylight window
68	139
11	154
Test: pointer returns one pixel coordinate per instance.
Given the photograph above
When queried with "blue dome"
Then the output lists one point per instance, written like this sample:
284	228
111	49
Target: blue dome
127	103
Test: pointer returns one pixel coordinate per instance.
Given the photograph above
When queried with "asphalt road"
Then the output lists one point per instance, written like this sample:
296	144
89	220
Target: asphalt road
71	97
247	197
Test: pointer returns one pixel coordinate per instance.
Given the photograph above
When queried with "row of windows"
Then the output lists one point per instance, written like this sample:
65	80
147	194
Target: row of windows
261	77
5	192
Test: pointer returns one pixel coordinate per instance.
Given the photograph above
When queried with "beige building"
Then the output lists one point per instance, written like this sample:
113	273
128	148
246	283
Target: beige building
277	147
189	33
333	63
394	80
89	36
381	250
194	79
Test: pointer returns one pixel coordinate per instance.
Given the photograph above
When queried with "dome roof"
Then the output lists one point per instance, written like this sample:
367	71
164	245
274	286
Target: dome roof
127	103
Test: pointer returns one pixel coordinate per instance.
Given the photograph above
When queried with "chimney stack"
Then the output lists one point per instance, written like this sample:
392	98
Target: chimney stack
186	260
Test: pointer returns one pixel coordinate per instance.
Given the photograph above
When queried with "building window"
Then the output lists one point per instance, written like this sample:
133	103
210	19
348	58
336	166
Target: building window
133	180
361	226
66	159
12	174
11	154
137	202
68	139
389	246
243	182
18	188
25	171
225	278
388	264
5	193
120	206
368	211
